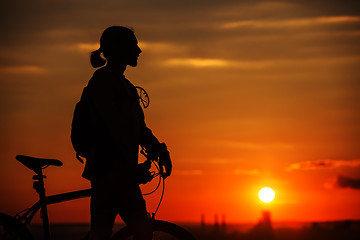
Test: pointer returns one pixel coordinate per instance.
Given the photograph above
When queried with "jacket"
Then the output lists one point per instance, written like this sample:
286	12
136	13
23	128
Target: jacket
120	125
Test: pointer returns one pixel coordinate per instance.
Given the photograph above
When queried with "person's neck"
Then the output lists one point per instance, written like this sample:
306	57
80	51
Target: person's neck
118	69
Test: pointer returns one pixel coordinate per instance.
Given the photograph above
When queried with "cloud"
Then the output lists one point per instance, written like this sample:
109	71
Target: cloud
160	46
257	145
197	62
19	70
84	47
324	164
249	172
290	23
249	65
347	182
189	172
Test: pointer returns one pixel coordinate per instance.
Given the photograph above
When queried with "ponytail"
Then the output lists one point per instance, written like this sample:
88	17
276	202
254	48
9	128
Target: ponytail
96	60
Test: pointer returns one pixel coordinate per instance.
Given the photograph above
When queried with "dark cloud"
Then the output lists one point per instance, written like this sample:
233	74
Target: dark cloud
324	164
196	24
29	18
347	182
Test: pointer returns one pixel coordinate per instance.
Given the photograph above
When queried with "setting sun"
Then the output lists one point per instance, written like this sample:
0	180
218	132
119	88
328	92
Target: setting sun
266	194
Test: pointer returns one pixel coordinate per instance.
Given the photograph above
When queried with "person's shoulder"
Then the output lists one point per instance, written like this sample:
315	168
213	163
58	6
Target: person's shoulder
102	72
100	76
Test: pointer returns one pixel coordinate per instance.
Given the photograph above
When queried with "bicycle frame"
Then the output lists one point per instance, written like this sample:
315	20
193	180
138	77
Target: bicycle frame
28	214
57	198
47	200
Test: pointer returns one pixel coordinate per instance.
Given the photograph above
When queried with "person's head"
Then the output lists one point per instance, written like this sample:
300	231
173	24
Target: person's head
119	46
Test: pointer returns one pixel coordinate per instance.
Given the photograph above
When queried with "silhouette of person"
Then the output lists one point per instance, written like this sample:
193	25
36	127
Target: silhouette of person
112	166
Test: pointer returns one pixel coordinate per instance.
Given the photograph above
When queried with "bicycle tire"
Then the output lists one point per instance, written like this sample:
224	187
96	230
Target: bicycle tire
12	229
162	230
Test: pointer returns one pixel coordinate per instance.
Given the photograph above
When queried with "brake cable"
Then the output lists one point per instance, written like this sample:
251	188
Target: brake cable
155	175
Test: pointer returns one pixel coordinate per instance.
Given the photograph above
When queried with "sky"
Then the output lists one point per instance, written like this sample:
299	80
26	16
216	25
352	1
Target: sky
246	94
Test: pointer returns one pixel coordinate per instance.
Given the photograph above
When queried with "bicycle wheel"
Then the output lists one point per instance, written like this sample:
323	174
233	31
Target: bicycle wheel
161	231
12	229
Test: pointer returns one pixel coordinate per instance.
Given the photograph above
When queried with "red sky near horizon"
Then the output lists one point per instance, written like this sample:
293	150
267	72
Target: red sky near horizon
246	95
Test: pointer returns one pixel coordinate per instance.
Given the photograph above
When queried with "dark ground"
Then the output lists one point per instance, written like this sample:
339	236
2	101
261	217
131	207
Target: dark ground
342	230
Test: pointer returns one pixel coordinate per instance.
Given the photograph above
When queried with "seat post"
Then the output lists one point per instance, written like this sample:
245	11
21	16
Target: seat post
39	186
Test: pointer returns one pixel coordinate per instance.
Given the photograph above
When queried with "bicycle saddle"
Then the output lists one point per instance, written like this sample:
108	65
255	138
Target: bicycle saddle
36	164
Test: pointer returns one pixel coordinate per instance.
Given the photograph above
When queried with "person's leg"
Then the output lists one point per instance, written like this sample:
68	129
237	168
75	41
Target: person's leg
102	209
135	216
141	226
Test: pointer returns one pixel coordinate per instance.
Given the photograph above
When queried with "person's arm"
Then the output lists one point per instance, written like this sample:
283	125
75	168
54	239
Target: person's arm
154	149
147	138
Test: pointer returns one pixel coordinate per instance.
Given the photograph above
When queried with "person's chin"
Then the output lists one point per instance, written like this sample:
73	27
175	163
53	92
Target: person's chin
133	64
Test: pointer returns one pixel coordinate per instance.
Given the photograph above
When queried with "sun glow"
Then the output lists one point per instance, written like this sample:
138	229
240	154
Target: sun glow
266	194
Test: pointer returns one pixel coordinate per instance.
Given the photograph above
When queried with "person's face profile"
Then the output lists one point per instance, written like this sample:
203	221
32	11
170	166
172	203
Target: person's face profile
127	52
133	52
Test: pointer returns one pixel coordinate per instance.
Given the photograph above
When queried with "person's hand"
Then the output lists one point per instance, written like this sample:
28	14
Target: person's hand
164	161
143	174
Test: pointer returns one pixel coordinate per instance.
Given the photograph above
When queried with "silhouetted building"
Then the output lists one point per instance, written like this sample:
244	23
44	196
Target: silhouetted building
223	223
263	229
203	221
216	222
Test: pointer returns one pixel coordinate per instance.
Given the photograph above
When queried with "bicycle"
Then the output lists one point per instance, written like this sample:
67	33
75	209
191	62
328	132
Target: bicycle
12	228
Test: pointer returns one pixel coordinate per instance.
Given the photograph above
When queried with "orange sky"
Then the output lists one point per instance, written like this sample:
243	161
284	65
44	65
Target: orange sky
246	95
